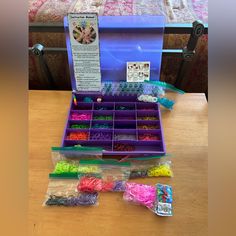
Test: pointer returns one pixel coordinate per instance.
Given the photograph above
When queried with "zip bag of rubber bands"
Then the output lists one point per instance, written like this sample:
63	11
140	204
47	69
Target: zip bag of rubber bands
156	198
63	192
153	166
75	154
73	168
154	91
113	178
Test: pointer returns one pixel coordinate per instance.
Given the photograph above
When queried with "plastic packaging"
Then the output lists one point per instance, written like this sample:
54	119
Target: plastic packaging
66	167
163	169
75	153
164	86
113	176
140	194
89	184
163	204
92	184
62	192
156	198
155	92
111	169
165	102
73	167
154	166
139	163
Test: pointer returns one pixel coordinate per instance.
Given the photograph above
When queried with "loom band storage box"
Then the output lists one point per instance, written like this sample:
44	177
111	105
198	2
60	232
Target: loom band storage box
119	123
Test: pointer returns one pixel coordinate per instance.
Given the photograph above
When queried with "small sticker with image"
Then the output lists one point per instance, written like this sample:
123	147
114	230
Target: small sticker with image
138	71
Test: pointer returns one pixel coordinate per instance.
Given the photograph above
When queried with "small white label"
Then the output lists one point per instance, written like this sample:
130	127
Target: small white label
83	29
138	71
164	209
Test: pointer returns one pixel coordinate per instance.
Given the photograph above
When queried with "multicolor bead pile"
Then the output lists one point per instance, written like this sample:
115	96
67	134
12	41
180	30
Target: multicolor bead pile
102	126
76	116
148	137
125	137
147	118
78	136
79	126
100	136
140	193
123	147
148	127
102	118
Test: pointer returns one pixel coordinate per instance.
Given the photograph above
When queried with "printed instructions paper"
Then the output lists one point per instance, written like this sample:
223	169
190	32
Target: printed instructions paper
138	71
83	30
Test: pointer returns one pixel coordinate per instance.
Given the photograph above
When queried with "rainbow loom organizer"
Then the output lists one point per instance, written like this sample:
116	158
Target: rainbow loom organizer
119	123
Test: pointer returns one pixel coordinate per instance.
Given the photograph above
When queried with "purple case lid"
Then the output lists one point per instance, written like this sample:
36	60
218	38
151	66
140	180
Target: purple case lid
123	39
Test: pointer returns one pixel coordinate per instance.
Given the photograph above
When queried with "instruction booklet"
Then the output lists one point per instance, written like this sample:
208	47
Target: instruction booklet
84	39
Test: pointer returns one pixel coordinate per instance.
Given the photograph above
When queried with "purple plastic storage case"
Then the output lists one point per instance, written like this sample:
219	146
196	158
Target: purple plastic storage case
122	39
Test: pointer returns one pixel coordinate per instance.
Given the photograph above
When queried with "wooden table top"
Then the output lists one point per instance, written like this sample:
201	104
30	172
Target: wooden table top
186	137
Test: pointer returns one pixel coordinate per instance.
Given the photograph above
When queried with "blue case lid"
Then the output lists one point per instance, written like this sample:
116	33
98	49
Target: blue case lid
124	39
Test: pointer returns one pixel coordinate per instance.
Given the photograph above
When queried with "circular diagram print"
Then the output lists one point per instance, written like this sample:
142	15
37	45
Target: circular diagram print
84	35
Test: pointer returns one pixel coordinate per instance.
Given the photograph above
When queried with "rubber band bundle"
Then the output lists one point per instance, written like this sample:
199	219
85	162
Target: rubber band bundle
141	194
163	169
63	192
140	169
77	182
72	167
92	184
156	198
113	176
155	166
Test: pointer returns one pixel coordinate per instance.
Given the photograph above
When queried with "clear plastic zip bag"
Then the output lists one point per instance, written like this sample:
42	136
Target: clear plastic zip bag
75	153
63	192
157	199
140	194
113	176
154	166
111	169
155	92
73	167
92	184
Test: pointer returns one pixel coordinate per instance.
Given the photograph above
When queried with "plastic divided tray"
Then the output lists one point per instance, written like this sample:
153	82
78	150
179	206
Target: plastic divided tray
126	126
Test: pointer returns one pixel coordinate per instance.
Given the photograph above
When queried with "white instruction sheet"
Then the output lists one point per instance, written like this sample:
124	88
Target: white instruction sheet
138	71
84	39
